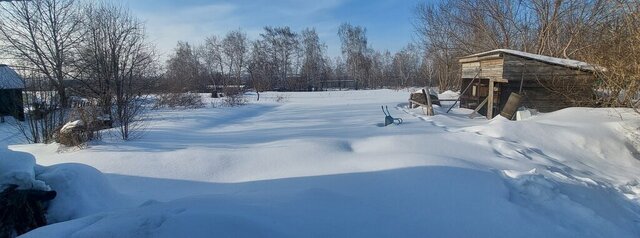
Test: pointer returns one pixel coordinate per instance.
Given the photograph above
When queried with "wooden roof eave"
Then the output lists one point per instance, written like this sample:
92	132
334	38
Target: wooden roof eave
498	55
480	58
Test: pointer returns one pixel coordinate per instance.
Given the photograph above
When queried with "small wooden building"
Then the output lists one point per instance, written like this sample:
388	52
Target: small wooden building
11	86
545	83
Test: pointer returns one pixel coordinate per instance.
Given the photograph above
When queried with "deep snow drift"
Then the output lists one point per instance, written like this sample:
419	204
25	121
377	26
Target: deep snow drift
320	165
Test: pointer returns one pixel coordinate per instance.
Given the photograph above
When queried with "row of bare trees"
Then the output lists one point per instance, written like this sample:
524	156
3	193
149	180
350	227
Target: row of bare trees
601	32
281	59
94	50
371	68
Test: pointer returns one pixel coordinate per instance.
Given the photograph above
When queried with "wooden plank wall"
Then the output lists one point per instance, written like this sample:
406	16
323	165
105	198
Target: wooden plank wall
546	87
489	69
470	70
492	69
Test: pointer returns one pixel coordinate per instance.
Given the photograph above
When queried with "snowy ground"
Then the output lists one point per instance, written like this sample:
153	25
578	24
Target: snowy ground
321	165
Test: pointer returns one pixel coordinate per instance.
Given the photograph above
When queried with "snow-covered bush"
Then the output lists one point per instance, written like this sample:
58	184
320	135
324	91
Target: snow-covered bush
23	198
18	168
93	118
73	133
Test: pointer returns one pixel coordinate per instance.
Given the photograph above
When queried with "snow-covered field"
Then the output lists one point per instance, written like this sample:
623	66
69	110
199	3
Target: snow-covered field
321	165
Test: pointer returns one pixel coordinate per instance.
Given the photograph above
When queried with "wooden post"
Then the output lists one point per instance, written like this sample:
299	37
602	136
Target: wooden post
490	100
473	114
429	105
465	90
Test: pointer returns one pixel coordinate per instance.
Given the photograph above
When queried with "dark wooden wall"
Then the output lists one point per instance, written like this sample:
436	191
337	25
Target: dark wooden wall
546	87
477	92
11	103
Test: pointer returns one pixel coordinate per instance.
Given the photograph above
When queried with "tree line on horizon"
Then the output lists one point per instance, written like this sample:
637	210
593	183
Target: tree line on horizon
282	59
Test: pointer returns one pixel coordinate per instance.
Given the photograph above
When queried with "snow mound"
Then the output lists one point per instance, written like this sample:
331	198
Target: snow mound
449	95
19	168
82	190
558	196
582	139
318	166
207	218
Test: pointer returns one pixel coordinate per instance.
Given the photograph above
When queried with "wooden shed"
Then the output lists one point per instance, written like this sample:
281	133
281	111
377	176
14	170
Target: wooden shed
11	86
545	83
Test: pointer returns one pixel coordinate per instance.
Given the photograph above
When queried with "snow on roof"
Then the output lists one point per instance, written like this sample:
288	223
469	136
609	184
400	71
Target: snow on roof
9	79
431	91
547	59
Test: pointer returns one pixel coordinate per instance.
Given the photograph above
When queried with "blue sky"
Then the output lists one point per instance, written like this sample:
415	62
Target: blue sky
388	22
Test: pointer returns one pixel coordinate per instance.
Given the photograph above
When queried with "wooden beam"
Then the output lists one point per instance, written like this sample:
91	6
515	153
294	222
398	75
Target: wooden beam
480	58
478	108
490	100
429	105
464	91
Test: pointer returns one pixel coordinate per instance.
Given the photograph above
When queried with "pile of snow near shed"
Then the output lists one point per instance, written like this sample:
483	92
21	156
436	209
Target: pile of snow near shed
82	190
18	168
317	166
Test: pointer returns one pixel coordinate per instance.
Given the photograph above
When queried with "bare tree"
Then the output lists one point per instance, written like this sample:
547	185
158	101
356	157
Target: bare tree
619	54
283	46
314	60
184	70
406	64
42	34
116	54
211	55
262	70
235	49
439	43
355	50
377	74
44	116
560	28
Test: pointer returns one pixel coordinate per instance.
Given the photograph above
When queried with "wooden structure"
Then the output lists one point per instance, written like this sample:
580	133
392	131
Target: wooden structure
546	83
418	99
11	87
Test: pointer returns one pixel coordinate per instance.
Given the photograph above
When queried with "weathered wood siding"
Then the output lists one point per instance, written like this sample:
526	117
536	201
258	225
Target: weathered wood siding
470	70
546	87
489	69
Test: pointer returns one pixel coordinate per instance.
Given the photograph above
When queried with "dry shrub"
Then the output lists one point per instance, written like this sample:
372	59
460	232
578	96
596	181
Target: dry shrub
282	98
85	125
73	134
175	100
234	100
619	54
22	210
